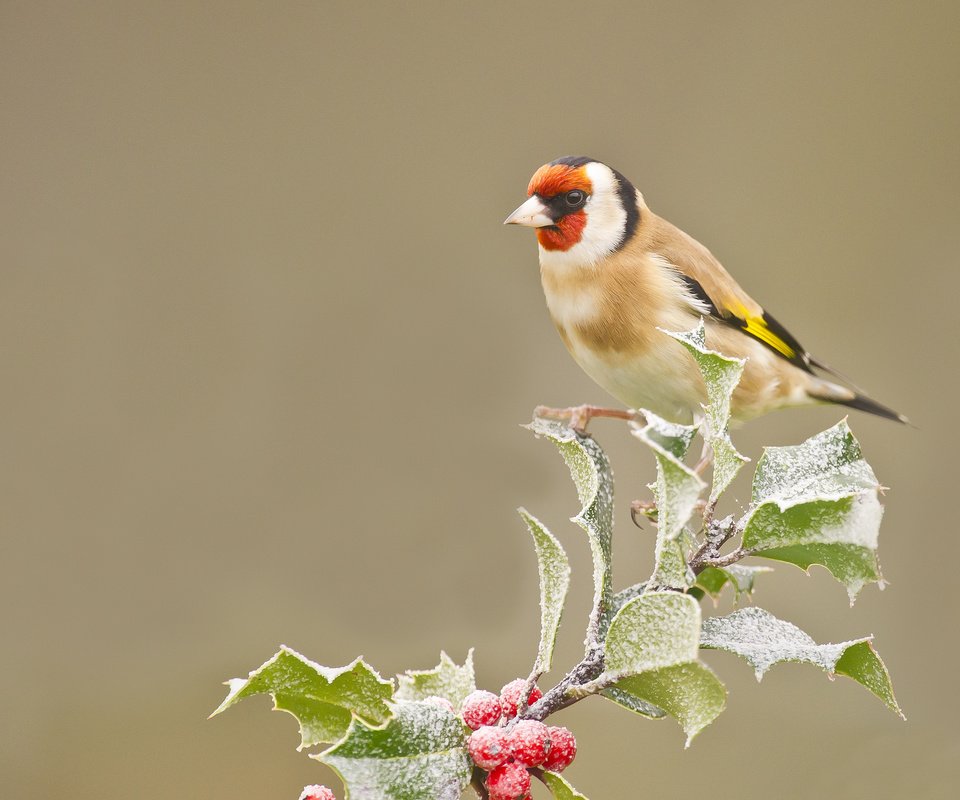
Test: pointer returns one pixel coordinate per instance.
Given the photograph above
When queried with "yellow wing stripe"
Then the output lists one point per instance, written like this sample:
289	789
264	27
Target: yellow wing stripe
757	327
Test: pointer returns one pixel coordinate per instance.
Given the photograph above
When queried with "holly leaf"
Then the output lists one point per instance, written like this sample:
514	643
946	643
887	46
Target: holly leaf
445	680
554	569
652	654
763	640
721	374
559	787
740	576
591	473
323	700
631	702
676	493
818	503
420	754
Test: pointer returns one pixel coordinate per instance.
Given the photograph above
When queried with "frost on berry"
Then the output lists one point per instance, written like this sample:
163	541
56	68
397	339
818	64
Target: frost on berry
481	708
563	749
440	702
509	781
317	792
510	696
528	742
487	747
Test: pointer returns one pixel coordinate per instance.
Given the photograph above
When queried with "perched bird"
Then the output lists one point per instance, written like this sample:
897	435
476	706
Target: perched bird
613	272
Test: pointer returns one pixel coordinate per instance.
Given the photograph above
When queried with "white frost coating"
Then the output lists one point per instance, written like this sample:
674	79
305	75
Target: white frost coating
237	685
676	493
421	752
591	473
721	374
851	520
763	640
447	680
678	487
554	570
323	700
659	629
824	467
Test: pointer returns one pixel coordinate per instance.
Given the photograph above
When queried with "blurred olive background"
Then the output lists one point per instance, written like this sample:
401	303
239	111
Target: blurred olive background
266	349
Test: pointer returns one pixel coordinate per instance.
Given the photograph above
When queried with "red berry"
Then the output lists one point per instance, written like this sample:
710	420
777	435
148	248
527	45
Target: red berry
510	696
488	747
317	792
481	708
440	702
509	781
563	749
528	742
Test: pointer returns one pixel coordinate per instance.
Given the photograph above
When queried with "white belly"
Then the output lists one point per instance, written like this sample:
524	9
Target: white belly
663	380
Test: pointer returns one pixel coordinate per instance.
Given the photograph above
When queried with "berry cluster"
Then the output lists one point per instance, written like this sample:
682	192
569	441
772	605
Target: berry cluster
508	749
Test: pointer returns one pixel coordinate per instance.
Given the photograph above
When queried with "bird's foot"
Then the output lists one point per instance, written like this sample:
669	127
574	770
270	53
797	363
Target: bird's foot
579	416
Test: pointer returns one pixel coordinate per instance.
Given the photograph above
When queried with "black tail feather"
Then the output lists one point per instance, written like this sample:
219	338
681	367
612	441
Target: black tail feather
863	403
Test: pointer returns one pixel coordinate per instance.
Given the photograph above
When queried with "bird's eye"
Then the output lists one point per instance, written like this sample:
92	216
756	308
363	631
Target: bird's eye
575	198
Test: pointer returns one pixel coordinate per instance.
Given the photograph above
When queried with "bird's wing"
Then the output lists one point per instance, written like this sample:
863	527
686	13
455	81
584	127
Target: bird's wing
716	290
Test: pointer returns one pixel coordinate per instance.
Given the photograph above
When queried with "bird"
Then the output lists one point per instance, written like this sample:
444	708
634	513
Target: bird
616	276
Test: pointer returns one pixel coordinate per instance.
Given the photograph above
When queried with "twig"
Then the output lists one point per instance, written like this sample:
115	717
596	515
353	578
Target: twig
567	692
722	561
476	781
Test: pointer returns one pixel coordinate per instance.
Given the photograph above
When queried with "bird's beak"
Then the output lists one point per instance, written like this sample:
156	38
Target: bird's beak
533	214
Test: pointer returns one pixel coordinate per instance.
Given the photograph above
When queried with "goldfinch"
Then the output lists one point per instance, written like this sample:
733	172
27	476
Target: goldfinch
613	273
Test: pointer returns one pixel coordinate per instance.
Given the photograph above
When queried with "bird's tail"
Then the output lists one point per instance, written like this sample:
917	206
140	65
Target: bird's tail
834	393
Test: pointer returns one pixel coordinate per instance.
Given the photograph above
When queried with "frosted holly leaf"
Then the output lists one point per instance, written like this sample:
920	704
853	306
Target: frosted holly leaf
669	436
633	703
554	569
740	576
690	693
827	466
323	700
619	600
840	535
652	651
559	787
420	754
818	503
763	640
591	473
676	493
721	374
445	680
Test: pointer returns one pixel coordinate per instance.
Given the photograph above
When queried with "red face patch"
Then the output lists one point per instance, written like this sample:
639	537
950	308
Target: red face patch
548	182
553	179
565	234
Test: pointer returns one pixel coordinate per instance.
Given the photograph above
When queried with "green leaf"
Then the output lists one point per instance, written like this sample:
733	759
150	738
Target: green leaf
658	629
554	571
818	503
560	788
420	754
827	466
763	640
721	374
676	493
591	473
652	655
633	703
740	576
445	680
862	663
690	693
323	700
